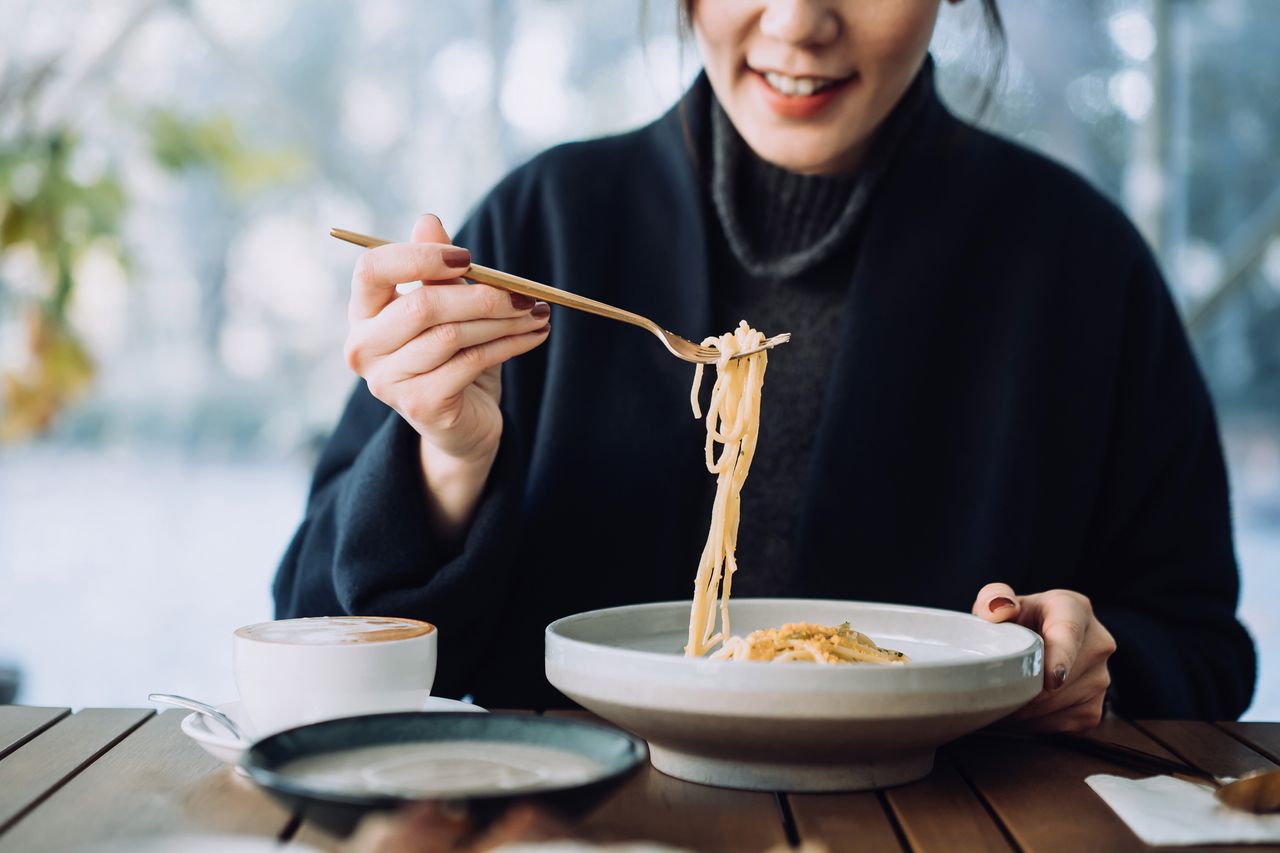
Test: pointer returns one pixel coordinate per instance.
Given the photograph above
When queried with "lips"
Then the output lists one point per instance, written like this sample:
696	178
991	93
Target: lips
798	97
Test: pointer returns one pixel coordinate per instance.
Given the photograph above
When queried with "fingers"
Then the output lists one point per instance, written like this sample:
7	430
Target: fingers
1076	647
1078	716
378	271
1064	619
441	342
410	315
996	602
450	379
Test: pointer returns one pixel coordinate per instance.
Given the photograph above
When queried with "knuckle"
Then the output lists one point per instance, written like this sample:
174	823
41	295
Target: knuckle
491	301
379	388
421	306
473	356
365	273
447	334
418	411
1067	626
353	355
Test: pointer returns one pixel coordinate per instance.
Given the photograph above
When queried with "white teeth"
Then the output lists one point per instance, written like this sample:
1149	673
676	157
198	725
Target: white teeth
795	86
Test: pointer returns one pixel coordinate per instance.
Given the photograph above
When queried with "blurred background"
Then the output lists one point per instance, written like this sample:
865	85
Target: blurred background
172	310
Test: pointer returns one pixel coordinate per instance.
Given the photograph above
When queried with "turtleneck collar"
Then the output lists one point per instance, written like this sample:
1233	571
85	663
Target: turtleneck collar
780	223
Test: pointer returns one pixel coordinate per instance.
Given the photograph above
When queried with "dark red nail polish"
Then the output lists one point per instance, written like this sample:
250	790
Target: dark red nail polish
1059	676
1000	603
541	310
520	302
456	256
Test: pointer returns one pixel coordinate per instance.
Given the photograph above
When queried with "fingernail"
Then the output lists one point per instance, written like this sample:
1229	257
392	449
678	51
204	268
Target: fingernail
541	310
436	218
455	256
520	302
1000	603
1059	676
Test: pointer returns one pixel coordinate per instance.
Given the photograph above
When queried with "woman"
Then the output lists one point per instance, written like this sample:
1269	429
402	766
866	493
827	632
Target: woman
988	401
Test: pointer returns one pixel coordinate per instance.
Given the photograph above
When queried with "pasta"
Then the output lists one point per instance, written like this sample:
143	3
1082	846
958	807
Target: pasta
804	641
733	422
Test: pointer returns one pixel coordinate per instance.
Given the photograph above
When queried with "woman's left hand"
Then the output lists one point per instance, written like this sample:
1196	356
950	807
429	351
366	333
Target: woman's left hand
1076	648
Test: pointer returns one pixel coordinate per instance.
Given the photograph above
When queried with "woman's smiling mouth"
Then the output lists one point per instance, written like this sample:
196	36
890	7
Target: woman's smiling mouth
798	97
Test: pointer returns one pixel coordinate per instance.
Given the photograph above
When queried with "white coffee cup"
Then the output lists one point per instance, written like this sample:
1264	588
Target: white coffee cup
291	672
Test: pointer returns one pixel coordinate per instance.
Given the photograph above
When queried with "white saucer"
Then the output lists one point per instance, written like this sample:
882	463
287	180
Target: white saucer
219	743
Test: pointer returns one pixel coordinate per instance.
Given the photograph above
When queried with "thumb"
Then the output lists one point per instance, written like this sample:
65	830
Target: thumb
429	229
996	602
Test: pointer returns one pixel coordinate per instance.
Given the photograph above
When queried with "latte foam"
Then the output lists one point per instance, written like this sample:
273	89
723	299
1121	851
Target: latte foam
335	630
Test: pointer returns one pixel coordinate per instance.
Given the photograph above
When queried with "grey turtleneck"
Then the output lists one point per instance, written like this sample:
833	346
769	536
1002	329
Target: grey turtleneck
783	262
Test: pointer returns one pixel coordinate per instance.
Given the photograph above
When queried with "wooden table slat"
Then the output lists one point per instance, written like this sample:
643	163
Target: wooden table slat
657	807
1038	792
1263	737
58	753
155	781
844	821
1206	746
941	812
19	723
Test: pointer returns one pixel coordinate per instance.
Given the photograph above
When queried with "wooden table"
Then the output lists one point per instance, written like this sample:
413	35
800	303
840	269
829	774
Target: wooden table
100	774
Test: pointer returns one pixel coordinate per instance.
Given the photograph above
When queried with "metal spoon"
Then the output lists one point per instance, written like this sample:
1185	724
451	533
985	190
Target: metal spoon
1257	792
200	707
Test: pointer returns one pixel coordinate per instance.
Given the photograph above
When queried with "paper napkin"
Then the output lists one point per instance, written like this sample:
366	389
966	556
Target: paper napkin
1163	810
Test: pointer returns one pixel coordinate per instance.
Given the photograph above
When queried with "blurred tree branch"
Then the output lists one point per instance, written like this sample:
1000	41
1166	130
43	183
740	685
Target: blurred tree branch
49	212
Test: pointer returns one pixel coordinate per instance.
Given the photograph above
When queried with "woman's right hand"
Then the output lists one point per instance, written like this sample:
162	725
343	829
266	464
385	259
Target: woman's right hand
433	355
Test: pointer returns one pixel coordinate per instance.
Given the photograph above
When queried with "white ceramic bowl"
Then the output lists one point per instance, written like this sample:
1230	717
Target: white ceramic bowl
795	726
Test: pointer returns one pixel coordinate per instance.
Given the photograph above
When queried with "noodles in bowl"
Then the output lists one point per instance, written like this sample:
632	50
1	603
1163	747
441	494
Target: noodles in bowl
802	641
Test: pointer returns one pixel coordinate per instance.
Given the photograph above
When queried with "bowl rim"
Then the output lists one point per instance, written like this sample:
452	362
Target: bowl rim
251	761
1032	644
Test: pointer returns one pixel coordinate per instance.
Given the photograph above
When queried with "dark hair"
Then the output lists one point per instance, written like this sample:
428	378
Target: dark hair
996	36
999	40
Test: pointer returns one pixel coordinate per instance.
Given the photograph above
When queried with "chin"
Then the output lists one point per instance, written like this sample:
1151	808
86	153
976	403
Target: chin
799	154
822	147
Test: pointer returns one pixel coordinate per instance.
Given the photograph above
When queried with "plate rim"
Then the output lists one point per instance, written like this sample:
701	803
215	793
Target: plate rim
1033	640
273	780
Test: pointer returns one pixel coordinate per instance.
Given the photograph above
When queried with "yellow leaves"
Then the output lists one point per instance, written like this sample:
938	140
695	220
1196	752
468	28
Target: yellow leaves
58	371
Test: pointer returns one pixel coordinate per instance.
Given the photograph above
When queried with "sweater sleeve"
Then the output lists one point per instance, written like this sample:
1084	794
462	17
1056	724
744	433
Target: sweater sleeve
1163	573
365	546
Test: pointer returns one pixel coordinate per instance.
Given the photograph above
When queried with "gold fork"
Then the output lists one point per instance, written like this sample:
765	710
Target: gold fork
676	345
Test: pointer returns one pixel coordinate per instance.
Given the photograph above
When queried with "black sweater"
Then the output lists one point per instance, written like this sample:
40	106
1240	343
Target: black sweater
1012	398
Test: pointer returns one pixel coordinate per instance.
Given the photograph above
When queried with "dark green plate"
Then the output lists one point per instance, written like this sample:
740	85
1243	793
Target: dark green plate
619	753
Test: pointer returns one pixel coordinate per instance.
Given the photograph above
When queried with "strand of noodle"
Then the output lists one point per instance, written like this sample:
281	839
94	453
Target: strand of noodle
732	419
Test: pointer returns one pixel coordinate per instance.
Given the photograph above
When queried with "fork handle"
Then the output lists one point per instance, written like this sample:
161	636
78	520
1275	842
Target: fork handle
524	286
546	293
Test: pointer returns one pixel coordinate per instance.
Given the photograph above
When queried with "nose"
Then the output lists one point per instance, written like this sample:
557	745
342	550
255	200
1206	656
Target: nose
800	22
